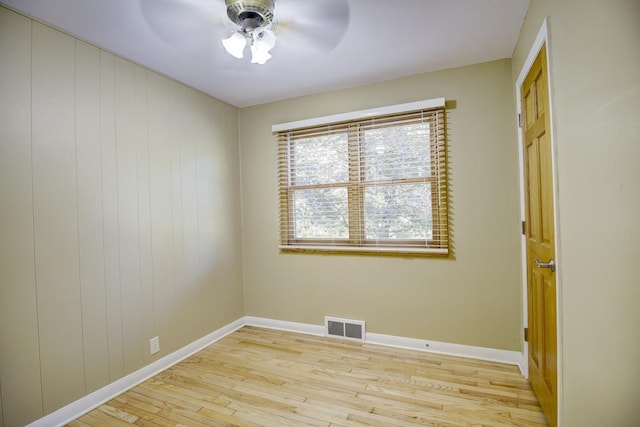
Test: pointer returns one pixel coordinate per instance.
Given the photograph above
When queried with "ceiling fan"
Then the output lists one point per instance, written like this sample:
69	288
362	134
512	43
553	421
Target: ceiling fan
300	26
254	18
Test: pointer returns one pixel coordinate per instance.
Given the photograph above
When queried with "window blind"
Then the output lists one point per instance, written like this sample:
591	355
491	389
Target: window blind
375	185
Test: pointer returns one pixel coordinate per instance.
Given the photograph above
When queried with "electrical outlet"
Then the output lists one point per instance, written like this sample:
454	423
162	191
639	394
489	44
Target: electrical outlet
154	345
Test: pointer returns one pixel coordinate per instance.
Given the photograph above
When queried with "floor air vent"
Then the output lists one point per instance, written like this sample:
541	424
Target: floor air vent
344	328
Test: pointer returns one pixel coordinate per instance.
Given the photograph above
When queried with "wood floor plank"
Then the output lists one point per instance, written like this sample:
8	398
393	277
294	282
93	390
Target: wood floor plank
261	377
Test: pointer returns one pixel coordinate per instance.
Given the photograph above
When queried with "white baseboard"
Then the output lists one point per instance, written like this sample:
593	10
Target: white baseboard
482	353
471	352
93	400
283	325
524	360
108	392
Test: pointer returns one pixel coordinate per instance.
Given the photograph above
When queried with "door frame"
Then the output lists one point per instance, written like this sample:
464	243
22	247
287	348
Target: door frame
542	39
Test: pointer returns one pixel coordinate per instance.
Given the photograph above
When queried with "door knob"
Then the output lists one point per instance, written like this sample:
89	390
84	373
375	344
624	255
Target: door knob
551	265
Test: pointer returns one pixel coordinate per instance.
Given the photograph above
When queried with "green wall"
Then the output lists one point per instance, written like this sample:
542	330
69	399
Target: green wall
474	297
594	73
119	217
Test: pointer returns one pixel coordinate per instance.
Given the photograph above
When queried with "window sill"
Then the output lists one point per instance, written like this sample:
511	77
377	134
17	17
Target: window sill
356	250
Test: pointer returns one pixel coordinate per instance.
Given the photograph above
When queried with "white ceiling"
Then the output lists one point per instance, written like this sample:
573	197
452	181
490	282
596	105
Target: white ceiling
383	39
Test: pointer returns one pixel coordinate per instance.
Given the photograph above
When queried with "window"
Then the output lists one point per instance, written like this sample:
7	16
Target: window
374	184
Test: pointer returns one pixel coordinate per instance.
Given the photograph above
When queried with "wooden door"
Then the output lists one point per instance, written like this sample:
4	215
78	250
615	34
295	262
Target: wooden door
539	232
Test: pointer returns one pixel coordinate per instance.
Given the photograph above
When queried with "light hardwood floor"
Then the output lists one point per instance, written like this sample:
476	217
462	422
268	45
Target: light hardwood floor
264	377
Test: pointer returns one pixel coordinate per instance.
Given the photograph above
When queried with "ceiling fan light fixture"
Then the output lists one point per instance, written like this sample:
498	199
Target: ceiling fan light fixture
235	44
252	16
264	39
259	56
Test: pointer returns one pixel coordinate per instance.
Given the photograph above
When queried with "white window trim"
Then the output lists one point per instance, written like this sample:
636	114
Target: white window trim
361	114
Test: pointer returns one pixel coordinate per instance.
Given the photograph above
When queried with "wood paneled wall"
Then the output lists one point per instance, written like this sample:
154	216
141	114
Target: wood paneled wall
119	217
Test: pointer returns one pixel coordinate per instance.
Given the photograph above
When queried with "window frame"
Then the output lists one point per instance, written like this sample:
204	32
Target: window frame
356	242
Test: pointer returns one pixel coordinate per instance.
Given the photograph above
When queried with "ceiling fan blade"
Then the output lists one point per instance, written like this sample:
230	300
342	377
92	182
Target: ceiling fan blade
186	23
320	24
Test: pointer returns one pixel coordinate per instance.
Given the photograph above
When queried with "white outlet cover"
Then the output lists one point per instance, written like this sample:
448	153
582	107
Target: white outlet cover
154	345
